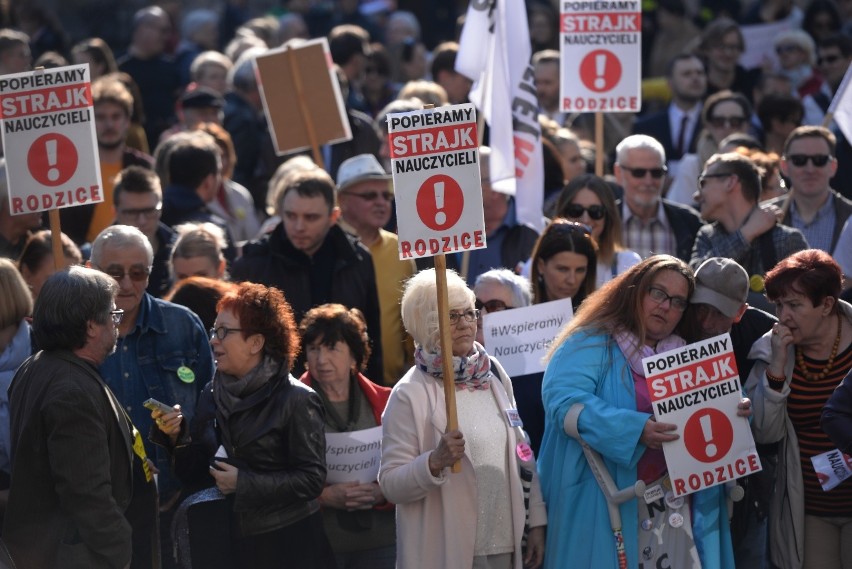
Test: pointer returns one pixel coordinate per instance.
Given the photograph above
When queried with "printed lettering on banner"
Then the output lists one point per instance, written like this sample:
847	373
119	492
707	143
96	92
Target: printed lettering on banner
697	387
521	337
601	56
49	139
435	167
353	456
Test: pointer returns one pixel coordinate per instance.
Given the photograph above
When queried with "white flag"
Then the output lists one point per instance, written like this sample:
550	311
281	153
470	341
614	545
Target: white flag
841	106
494	52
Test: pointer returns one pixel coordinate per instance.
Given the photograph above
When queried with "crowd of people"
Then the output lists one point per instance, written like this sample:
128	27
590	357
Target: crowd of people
178	386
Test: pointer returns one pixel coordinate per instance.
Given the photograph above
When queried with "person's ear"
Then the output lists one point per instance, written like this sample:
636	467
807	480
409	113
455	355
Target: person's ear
828	305
335	215
740	313
257	343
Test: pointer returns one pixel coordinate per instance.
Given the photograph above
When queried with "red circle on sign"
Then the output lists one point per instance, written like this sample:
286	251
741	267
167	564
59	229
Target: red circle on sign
600	70
52	159
440	202
708	435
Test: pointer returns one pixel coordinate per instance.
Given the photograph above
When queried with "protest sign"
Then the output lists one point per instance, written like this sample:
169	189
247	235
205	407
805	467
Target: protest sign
521	337
601	45
760	43
301	97
353	456
435	167
832	468
697	388
49	139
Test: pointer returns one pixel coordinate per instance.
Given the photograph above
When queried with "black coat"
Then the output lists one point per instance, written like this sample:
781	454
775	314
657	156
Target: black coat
274	261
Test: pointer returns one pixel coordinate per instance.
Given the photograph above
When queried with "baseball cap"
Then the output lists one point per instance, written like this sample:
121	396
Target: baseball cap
721	283
201	98
358	169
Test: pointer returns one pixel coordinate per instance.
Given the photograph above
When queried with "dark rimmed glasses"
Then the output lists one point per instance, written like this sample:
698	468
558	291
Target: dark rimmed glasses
494	305
221	332
660	296
468	315
656	173
136	274
702	179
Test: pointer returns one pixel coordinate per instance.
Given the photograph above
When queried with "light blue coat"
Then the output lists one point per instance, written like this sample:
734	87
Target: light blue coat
592	370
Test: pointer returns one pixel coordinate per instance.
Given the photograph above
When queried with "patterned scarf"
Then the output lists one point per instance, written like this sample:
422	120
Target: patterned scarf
471	372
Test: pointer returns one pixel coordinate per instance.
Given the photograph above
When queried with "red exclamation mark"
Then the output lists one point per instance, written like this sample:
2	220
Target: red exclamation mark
707	428
600	70
440	216
50	148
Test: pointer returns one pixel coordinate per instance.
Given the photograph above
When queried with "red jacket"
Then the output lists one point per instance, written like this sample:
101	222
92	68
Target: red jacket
377	395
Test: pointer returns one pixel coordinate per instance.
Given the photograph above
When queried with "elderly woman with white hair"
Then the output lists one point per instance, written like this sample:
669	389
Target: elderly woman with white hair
796	53
474	518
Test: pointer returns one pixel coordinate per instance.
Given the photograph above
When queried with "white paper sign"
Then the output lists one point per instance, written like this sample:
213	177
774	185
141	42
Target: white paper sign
435	167
519	338
353	456
760	43
832	468
601	56
697	387
49	139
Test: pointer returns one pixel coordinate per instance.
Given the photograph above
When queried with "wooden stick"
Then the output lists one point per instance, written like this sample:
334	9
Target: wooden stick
56	239
599	144
296	75
446	347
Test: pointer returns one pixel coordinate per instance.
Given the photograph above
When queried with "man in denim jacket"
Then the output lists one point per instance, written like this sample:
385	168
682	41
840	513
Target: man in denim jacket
162	350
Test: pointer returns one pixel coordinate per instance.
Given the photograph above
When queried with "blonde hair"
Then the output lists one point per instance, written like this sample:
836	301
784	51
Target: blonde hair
16	302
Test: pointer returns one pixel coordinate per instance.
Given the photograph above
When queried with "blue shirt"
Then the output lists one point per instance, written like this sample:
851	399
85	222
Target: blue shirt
820	230
482	260
166	340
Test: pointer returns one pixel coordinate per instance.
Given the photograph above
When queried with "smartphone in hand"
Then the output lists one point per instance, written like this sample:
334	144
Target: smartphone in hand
154	405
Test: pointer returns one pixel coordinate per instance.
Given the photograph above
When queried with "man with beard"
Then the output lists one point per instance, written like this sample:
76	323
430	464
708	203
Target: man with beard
73	455
113	105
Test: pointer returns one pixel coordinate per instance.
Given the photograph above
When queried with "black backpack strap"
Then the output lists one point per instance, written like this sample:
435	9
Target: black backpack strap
768	254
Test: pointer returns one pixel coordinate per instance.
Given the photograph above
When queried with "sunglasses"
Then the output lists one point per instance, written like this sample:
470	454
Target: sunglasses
732	122
656	173
786	49
576	210
829	59
800	160
702	179
136	274
371	196
495	305
147	212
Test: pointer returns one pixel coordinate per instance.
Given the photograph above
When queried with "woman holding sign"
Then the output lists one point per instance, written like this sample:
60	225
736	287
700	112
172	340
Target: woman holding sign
475	517
799	363
597	361
358	520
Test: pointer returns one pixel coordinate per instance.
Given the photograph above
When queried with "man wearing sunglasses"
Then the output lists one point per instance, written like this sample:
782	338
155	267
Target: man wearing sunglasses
738	227
162	351
365	196
834	54
815	208
651	224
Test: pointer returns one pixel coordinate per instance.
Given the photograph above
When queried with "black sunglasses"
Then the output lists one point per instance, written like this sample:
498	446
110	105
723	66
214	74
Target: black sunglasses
371	196
733	122
828	59
800	160
576	210
656	173
136	274
495	305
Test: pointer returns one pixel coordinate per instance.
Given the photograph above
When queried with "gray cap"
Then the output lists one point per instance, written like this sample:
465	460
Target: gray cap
358	169
721	283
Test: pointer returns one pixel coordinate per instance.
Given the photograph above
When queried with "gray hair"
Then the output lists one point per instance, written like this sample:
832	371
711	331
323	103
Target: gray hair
636	142
199	240
406	18
518	286
209	59
241	76
196	20
120	236
59	323
420	306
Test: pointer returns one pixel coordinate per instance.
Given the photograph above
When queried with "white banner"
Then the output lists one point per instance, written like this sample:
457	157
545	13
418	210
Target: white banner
697	388
353	456
519	338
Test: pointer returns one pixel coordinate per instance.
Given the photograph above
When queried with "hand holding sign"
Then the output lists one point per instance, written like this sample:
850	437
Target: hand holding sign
655	434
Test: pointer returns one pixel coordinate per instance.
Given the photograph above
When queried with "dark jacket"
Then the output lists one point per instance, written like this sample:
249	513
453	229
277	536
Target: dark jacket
276	438
842	211
247	131
837	416
72	467
658	126
274	261
75	220
685	223
181	204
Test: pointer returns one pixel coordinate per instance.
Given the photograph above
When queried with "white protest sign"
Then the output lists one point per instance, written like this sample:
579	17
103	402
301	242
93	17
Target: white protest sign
760	43
435	167
520	337
832	468
601	56
353	456
49	139
697	388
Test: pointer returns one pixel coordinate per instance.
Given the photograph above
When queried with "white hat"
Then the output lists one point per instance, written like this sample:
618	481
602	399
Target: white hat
358	169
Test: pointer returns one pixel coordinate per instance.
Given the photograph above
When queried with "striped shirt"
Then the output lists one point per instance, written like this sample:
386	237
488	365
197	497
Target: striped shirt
804	408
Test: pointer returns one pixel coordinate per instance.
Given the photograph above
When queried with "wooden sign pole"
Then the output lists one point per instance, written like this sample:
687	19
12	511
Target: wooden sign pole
306	115
56	239
599	144
446	347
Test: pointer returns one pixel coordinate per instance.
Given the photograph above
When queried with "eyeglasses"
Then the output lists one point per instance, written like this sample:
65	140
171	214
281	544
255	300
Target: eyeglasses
829	59
468	315
656	173
800	160
660	296
495	305
147	212
371	196
786	49
576	210
222	332
731	122
136	274
702	179
116	316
